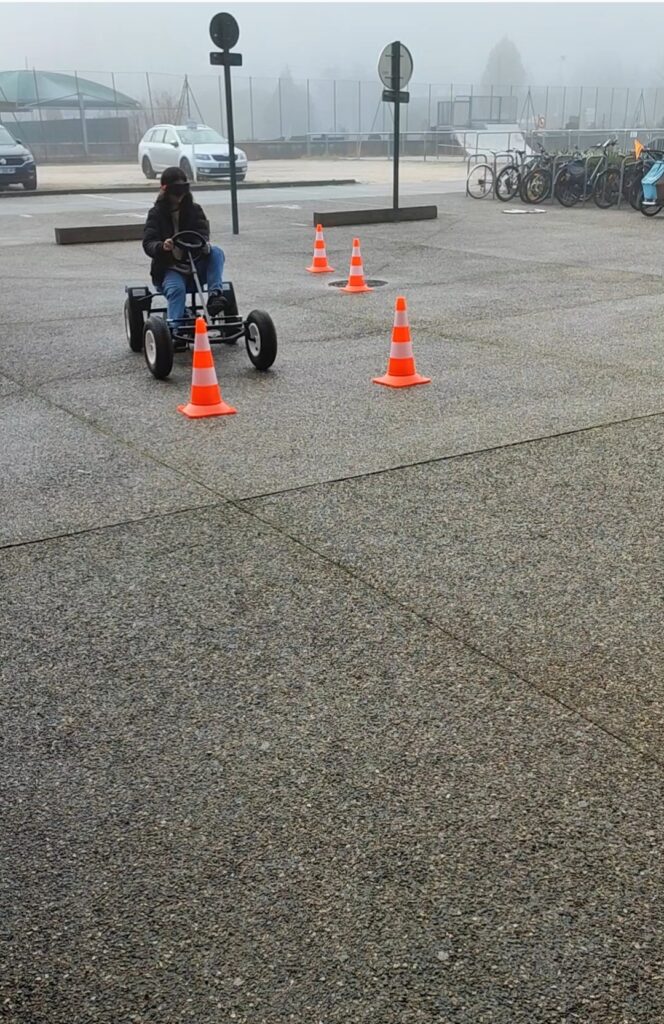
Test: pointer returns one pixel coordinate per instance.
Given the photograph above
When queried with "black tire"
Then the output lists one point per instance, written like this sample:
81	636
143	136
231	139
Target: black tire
158	347
567	190
479	183
186	167
133	320
536	186
635	194
261	339
607	188
508	183
31	184
148	169
241	177
648	209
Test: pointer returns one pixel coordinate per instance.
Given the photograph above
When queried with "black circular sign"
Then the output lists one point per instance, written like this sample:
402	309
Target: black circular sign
224	31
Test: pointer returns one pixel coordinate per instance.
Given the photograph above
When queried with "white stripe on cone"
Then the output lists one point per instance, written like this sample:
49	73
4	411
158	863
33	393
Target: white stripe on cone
401	350
204	377
401	318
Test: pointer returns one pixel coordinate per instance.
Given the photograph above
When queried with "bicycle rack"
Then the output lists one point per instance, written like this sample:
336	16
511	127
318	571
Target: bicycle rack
479	159
628	158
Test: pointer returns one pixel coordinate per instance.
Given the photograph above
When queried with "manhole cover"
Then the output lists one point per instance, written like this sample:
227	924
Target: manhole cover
370	281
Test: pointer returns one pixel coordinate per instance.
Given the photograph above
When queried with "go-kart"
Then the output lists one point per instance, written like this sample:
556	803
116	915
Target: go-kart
149	330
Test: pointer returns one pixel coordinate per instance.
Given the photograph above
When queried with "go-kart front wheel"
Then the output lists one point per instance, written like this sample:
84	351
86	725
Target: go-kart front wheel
158	347
261	338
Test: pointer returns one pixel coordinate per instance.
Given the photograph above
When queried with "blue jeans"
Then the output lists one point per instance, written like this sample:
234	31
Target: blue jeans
176	285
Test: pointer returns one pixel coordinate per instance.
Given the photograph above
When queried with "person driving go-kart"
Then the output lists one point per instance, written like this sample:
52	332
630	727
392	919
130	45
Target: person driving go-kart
175	211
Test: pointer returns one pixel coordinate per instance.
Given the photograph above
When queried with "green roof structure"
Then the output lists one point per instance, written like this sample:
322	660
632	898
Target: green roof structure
34	90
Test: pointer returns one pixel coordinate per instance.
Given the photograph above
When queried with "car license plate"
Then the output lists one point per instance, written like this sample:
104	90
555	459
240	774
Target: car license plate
7	170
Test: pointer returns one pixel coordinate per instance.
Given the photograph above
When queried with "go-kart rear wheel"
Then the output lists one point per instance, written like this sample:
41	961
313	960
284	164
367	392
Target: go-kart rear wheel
158	347
261	338
133	319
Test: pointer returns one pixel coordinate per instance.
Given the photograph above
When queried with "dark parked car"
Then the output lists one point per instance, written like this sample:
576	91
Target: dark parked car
17	164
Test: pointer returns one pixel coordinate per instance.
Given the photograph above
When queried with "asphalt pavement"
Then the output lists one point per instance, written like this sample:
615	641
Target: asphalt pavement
347	708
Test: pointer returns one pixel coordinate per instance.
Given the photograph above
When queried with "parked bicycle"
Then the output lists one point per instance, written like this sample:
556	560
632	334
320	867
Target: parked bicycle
510	182
480	180
577	182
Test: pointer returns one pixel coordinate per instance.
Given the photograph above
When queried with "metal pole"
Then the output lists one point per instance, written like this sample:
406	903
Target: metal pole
429	109
221	106
654	109
115	95
231	148
334	105
281	113
147	79
562	119
41	120
115	99
396	84
308	108
359	108
186	90
81	107
251	107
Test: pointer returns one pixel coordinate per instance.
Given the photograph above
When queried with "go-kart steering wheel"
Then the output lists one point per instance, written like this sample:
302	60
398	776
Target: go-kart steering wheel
191	242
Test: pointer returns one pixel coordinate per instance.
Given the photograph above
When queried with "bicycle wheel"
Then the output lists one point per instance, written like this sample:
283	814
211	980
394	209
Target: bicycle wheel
479	183
568	188
607	188
507	183
536	186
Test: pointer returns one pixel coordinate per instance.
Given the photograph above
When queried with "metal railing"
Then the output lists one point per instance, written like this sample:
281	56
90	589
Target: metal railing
280	110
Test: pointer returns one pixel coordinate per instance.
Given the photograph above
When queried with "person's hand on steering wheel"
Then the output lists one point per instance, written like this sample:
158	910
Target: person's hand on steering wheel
192	242
168	245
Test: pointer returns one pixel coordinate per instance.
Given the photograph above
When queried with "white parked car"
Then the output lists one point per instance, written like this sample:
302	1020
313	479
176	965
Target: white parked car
201	152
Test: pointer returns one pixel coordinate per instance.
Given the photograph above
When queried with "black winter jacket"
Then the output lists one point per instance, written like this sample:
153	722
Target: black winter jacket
159	227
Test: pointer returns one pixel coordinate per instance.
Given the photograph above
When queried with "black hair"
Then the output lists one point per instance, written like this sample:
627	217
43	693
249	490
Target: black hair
174	176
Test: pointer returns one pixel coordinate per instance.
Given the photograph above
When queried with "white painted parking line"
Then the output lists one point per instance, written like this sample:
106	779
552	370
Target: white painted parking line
113	199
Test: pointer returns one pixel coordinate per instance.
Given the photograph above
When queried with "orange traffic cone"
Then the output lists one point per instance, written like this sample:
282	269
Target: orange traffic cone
356	282
319	264
401	371
205	394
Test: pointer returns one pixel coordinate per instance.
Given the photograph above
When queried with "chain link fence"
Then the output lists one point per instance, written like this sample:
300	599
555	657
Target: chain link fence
296	117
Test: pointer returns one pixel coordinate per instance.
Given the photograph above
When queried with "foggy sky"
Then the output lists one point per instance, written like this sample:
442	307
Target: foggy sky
601	43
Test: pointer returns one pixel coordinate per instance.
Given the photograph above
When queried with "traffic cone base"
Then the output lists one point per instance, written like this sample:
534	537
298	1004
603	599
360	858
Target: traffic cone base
196	412
364	287
205	397
391	381
319	264
356	282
